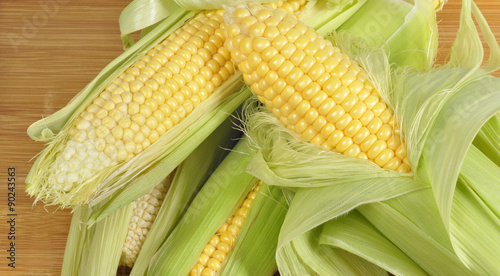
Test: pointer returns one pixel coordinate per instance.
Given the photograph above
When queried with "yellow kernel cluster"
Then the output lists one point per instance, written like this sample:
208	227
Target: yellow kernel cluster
215	252
160	89
148	99
313	88
146	209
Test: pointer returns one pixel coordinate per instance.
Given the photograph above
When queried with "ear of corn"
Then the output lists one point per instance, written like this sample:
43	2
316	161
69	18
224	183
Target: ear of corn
133	233
314	89
128	117
146	208
227	187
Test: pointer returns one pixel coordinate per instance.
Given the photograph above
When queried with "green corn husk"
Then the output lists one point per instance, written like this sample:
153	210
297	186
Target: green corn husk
440	111
141	15
164	155
92	241
488	139
355	234
388	23
312	258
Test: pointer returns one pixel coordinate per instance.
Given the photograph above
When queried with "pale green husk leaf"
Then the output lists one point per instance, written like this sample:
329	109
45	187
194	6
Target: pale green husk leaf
306	256
141	14
77	242
475	220
427	252
405	29
326	15
443	109
483	176
95	250
355	234
488	139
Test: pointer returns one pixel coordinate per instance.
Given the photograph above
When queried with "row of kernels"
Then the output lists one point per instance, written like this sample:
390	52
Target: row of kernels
143	215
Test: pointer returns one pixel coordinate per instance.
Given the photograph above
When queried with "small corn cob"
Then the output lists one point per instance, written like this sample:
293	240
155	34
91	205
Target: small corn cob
144	214
219	246
313	88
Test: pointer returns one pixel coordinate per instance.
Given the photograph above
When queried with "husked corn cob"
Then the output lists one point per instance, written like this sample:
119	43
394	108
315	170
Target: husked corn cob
312	87
219	246
146	209
149	98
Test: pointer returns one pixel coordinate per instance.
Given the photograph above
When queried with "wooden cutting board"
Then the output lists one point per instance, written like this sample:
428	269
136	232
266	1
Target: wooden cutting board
49	50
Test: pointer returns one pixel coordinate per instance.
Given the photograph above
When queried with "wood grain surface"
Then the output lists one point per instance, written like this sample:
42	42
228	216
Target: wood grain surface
49	50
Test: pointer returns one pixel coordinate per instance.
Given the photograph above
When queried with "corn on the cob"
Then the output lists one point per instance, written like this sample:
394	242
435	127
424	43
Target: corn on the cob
145	210
144	102
215	252
313	88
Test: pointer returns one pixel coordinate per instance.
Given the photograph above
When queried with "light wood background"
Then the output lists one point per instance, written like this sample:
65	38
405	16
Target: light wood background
49	50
